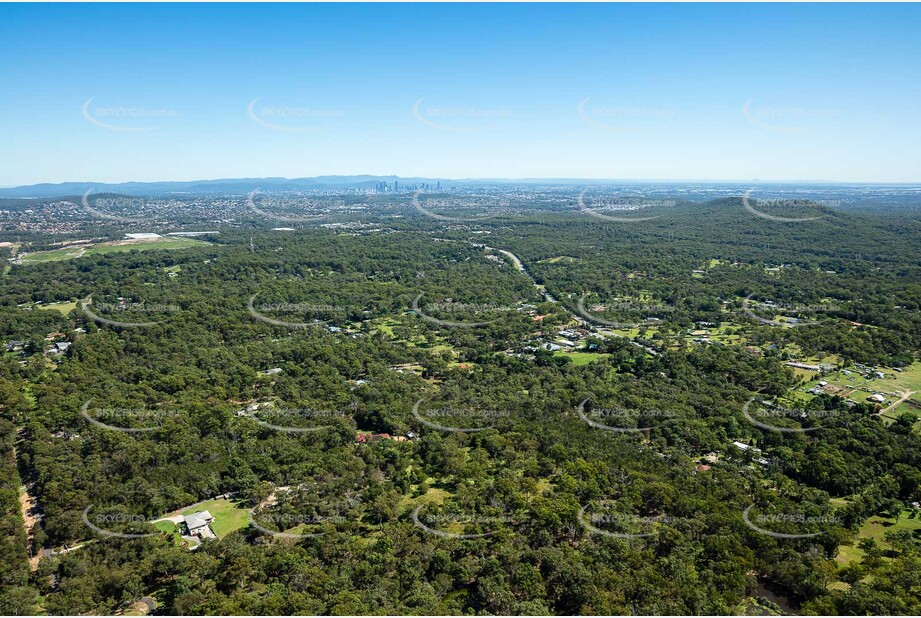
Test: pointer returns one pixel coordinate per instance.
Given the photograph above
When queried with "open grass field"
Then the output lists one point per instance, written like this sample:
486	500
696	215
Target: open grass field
876	528
228	516
171	529
722	334
904	408
166	526
894	386
70	253
632	333
385	325
580	358
434	495
909	378
64	307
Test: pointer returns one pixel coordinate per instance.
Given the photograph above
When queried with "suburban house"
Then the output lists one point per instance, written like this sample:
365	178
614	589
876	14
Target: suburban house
364	437
199	524
745	447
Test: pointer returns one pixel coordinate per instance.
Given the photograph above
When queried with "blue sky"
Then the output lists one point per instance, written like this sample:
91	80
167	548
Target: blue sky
736	92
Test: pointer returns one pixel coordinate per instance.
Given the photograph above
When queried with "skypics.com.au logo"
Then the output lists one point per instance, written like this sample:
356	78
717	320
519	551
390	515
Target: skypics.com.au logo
757	207
450	524
126	420
320	313
320	209
600	207
605	517
785	119
126	119
623	306
453	119
124	307
622	420
621	119
293	525
288	119
103	206
768	416
483	207
299	420
125	515
788	525
749	305
457	419
474	312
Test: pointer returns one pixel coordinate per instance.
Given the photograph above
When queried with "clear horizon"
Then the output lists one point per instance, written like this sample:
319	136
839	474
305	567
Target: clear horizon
660	93
494	179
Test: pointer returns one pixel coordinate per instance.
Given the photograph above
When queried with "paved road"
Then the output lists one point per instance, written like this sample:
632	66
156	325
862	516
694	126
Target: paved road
551	299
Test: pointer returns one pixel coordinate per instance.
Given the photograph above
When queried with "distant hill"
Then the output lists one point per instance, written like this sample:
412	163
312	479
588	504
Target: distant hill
205	187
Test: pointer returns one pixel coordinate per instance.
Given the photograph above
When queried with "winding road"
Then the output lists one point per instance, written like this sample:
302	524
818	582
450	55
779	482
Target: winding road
519	265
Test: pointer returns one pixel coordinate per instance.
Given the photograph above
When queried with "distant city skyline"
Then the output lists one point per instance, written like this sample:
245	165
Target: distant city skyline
662	93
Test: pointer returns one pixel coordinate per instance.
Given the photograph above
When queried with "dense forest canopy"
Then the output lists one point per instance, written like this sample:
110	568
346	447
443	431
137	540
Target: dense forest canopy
400	418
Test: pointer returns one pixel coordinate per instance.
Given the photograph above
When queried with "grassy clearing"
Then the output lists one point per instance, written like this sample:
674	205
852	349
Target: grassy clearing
166	526
227	515
909	379
171	529
581	358
385	325
903	408
433	496
876	528
64	307
851	386
565	259
120	246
